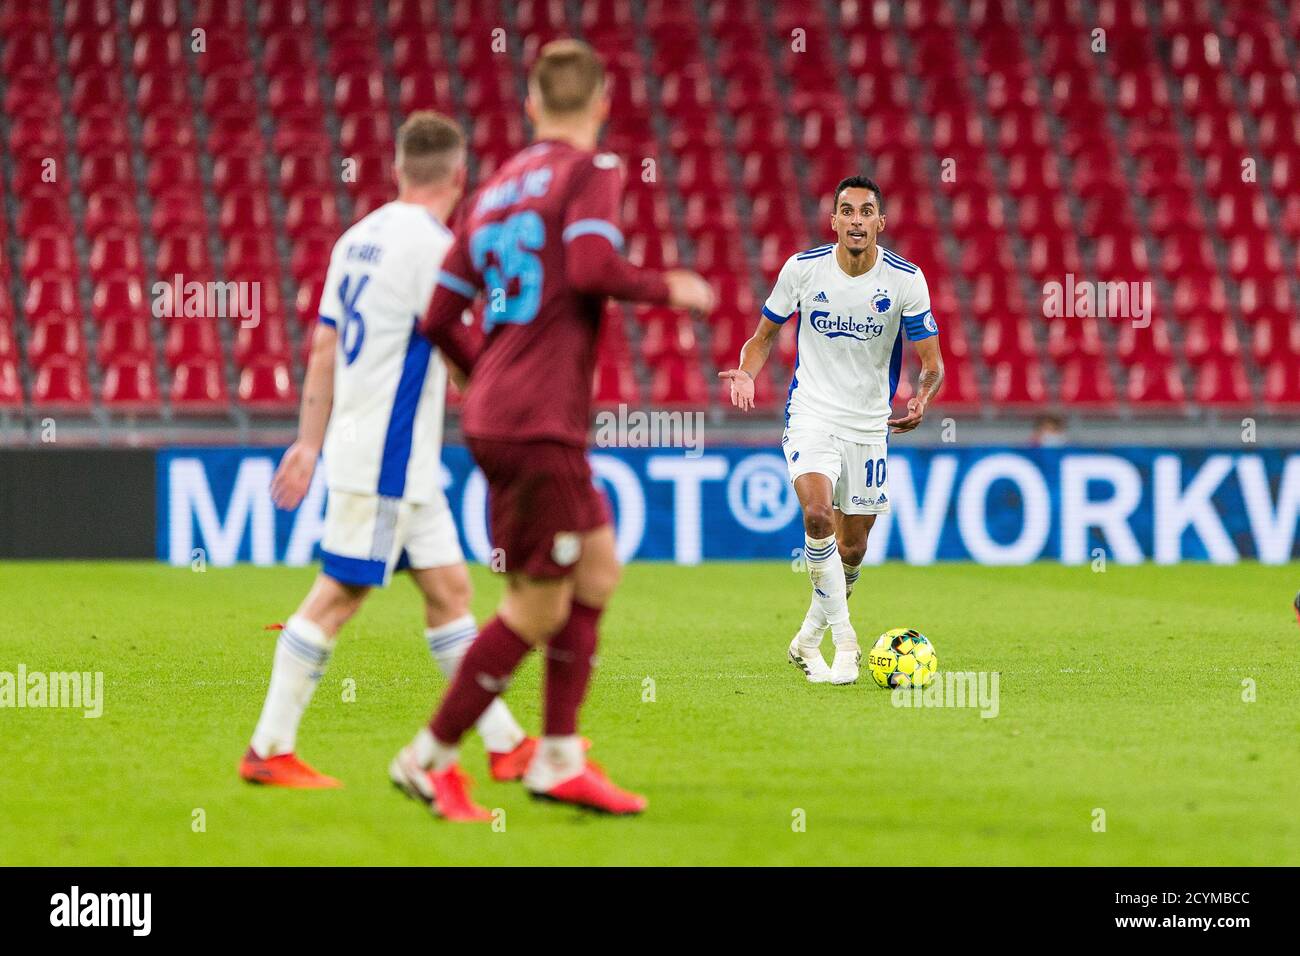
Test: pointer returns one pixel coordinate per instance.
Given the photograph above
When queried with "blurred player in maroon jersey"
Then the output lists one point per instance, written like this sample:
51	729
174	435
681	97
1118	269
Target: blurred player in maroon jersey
541	240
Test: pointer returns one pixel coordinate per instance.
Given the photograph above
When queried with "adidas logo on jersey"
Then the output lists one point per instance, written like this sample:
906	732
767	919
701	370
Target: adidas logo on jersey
882	500
820	297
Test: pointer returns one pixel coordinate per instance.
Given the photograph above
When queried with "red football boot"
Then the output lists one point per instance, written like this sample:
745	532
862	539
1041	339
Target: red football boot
283	770
592	790
451	796
511	765
446	793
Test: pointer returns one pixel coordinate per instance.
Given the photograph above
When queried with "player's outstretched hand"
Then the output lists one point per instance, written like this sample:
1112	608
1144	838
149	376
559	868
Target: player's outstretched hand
742	388
688	290
915	412
293	477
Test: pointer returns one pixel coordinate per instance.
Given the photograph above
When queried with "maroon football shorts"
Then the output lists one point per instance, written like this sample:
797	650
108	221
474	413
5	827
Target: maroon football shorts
540	501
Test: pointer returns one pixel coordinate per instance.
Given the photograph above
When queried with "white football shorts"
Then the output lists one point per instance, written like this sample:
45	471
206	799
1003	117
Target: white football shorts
859	474
368	537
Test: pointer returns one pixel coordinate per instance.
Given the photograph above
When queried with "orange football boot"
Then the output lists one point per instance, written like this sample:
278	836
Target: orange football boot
283	770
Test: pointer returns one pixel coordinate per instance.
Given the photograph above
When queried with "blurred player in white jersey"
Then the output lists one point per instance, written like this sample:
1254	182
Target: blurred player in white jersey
855	301
373	400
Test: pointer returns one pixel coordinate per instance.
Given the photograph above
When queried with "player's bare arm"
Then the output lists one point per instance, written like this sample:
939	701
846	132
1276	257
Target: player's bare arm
293	476
594	267
689	290
753	356
459	378
928	384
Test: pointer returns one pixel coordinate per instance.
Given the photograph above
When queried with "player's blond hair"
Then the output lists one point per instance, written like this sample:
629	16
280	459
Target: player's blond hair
430	147
566	77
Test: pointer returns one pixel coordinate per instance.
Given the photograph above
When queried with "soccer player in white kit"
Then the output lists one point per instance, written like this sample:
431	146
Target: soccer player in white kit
374	395
855	300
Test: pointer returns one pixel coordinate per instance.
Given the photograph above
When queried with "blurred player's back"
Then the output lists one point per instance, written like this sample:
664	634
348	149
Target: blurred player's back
533	380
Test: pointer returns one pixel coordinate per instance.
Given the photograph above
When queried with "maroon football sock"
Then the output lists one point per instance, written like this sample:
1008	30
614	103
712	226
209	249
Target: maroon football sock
569	658
482	676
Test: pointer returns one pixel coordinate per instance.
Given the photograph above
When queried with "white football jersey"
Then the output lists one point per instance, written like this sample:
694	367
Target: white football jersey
385	428
850	338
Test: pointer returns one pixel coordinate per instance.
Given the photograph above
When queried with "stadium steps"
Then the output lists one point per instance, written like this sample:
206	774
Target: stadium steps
667	181
745	212
1290	261
70	164
1032	292
10	256
1120	131
211	207
1182	126
1032	48
961	282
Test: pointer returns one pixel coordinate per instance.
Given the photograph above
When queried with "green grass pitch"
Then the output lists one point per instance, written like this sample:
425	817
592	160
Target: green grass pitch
1119	691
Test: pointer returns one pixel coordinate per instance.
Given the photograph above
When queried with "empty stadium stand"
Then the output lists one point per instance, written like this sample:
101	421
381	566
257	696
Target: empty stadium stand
1017	142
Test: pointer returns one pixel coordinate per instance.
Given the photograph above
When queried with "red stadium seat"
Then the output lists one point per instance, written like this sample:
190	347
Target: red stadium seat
1155	386
124	336
117	296
1086	383
311	212
1221	382
50	295
1282	385
11	385
115	253
199	388
61	385
615	384
267	340
130	386
1018	383
184	254
668	334
44	211
678	382
49	253
53	336
190	339
108	211
267	386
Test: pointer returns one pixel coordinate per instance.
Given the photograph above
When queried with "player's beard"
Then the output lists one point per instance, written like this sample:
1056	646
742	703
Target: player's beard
857	250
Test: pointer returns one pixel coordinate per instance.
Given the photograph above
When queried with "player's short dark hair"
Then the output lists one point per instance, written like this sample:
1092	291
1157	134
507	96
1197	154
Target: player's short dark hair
566	76
429	147
860	182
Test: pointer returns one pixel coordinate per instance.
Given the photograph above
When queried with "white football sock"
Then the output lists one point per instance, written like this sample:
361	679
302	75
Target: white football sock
814	622
430	753
449	643
301	656
813	627
557	760
827	574
851	572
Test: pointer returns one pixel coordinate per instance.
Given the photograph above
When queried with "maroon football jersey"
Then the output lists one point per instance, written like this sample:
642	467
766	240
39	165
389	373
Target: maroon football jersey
526	238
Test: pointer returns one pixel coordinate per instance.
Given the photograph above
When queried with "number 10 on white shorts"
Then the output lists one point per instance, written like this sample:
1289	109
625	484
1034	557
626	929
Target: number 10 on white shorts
859	474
